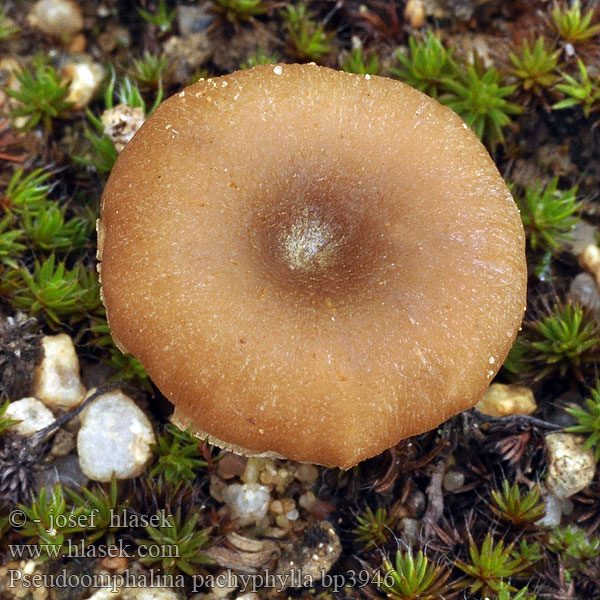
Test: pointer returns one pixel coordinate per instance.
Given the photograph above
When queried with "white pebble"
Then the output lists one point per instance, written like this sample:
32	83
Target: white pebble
248	502
85	77
555	508
59	18
278	70
571	467
57	383
115	436
31	413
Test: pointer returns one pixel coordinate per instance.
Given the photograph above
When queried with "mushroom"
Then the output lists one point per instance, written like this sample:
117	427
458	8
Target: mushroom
309	263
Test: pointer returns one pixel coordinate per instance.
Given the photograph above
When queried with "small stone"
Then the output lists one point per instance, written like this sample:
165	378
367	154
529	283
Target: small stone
590	260
121	123
282	521
31	413
194	19
248	502
105	594
251	471
231	465
307	473
307	501
410	528
453	480
85	77
312	556
555	508
583	235
571	467
502	400
265	478
553	513
584	290
115	437
288	504
63	443
414	13
154	593
56	382
59	18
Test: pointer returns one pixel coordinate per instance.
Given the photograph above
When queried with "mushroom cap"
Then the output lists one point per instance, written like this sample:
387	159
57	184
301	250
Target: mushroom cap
311	263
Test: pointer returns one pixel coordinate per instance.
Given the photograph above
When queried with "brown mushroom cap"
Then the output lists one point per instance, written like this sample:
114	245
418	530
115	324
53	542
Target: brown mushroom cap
310	262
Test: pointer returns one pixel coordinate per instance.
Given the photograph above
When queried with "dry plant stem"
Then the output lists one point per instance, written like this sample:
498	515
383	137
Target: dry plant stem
11	158
481	418
7	139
